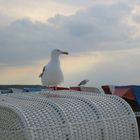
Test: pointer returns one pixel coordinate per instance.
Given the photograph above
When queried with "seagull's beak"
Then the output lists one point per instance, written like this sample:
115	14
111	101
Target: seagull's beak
65	53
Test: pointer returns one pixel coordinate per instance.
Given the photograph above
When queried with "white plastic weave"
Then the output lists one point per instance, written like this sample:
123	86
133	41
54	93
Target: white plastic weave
65	115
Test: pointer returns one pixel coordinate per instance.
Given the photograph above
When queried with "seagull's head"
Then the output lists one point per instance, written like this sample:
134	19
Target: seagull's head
57	53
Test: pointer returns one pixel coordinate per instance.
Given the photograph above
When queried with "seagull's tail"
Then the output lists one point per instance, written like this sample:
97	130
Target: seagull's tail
79	84
40	75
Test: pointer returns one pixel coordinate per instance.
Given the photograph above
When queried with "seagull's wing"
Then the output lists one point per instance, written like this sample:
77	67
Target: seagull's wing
81	83
42	72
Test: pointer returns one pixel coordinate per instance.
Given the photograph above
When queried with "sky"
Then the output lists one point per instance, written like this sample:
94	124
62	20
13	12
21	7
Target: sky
102	38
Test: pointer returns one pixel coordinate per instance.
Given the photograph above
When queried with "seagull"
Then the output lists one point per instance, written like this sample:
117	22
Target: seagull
83	82
52	74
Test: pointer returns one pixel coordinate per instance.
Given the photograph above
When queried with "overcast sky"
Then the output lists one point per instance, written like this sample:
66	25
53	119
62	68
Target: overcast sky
102	37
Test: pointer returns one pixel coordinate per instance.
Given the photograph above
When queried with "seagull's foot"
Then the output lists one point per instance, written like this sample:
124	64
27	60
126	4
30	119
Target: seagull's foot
52	88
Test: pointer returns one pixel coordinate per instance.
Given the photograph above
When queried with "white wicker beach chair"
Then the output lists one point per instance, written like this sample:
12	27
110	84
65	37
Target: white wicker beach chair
65	115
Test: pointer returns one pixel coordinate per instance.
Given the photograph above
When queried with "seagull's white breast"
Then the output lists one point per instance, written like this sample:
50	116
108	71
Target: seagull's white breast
52	75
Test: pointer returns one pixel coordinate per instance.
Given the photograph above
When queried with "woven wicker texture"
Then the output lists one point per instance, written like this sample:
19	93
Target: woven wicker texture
66	115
